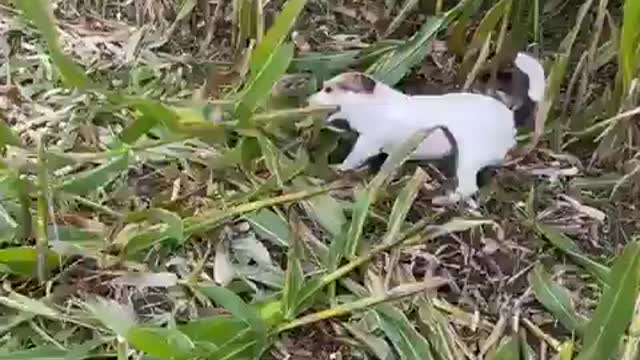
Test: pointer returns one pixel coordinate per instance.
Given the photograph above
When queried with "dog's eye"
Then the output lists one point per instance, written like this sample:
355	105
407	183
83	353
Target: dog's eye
328	89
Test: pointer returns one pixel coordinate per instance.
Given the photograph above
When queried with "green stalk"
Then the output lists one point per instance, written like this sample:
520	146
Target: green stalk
42	216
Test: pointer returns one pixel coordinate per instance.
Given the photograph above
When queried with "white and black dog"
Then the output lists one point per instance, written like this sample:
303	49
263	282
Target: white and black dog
478	129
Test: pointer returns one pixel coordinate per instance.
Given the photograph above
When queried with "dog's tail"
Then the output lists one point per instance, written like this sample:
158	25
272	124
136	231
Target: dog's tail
529	84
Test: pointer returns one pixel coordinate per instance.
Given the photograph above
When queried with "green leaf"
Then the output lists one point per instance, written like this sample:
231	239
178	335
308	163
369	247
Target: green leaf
409	344
90	180
175	227
509	350
375	344
403	204
556	299
614	312
365	200
629	42
8	226
276	36
558	69
327	211
457	39
270	226
294	278
238	308
23	261
488	24
165	226
442	335
117	317
169	344
152	111
140	126
7	136
72	352
393	66
40	13
29	305
260	86
216	330
566	245
271	155
241	347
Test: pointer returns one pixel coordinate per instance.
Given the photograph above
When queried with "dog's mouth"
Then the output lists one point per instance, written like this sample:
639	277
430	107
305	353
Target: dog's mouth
335	110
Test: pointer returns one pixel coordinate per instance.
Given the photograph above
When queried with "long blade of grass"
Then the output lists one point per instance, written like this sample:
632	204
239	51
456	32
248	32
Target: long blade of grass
365	200
442	335
393	66
276	36
629	41
399	212
509	350
556	299
453	226
42	217
609	322
557	74
407	341
294	276
233	303
41	14
85	182
566	245
364	303
23	261
259	88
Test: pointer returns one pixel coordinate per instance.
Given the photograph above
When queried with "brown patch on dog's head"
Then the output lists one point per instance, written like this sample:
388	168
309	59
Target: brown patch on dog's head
357	83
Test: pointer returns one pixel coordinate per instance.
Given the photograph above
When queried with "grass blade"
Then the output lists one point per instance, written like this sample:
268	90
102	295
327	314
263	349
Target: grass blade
368	198
442	335
366	303
40	13
271	156
85	182
23	261
556	299
259	88
566	245
509	350
629	41
7	136
609	322
234	304
42	217
276	36
294	276
557	74
270	226
393	66
407	341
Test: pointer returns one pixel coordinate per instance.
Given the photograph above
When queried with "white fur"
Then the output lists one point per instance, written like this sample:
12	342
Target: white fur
534	70
482	126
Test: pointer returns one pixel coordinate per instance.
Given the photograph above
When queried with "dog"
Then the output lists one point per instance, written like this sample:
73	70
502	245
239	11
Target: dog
477	129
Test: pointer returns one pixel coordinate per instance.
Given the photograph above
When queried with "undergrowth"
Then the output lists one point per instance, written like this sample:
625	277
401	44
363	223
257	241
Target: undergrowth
162	206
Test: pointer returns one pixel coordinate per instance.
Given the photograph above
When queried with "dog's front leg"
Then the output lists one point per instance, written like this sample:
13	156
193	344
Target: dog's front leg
362	150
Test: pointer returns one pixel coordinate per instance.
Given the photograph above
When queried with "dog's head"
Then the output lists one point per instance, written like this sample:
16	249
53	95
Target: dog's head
346	89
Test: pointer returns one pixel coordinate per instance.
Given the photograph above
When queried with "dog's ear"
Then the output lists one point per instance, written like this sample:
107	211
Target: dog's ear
358	83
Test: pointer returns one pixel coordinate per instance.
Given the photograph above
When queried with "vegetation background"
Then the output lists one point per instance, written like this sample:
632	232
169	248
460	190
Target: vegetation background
166	194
